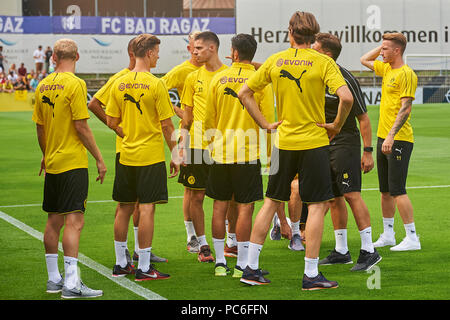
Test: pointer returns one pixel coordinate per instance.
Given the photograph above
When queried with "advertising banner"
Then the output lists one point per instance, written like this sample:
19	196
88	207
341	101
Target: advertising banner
102	53
114	25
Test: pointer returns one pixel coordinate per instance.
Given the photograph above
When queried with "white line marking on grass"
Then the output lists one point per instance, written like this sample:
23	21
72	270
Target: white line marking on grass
181	197
88	262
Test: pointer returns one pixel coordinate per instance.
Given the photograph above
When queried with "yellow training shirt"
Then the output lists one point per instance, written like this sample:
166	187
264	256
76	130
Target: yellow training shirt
237	136
61	98
194	95
176	77
103	95
299	78
397	83
141	101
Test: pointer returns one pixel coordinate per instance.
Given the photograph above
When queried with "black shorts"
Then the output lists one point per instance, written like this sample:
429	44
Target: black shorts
195	174
345	162
145	184
66	192
314	174
393	168
242	180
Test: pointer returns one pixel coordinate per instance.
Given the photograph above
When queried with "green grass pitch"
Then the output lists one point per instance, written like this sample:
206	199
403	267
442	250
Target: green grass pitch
401	275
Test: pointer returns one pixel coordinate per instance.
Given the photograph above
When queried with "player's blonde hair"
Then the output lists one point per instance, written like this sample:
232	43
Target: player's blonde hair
65	49
193	34
397	38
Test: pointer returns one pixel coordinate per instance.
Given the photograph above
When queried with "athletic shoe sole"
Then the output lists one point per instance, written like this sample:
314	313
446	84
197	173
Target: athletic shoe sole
253	282
332	264
319	288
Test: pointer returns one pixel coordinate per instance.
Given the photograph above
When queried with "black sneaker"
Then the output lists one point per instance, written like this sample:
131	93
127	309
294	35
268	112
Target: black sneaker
336	258
317	283
253	277
366	260
118	271
151	274
239	271
135	257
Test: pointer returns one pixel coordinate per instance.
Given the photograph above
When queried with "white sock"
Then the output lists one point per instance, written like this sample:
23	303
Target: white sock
202	240
366	239
242	257
410	230
340	235
71	272
311	269
121	258
218	249
144	259
136	241
254	251
388	227
190	230
295	227
231	240
51	260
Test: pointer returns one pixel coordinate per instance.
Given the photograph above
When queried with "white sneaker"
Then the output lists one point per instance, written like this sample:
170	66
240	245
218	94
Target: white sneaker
384	240
407	244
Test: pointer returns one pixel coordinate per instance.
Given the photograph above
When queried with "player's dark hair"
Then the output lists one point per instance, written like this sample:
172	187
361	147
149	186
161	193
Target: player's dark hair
245	45
208	36
143	43
303	27
330	43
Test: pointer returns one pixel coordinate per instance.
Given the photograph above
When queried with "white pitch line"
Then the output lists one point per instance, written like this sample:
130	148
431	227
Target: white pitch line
88	262
181	197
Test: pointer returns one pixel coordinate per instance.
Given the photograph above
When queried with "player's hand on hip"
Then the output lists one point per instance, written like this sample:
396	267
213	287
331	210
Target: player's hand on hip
274	125
332	129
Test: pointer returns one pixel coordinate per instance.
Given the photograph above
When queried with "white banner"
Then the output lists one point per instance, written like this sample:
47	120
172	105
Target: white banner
101	53
359	24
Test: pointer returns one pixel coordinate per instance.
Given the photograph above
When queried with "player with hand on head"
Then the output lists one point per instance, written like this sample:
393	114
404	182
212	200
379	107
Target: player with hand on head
60	114
395	137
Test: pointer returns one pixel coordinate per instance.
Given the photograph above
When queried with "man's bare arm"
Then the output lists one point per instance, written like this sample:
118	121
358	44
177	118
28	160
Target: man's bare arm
96	107
402	117
369	58
41	139
246	95
344	107
87	138
366	134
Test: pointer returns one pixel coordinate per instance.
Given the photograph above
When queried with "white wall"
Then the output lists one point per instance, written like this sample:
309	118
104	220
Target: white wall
11	8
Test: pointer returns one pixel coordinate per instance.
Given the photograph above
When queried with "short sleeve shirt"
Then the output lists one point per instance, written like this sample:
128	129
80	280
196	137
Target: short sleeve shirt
61	98
397	84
